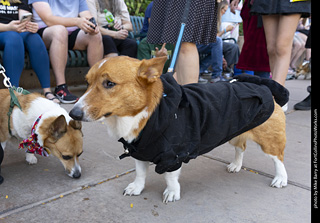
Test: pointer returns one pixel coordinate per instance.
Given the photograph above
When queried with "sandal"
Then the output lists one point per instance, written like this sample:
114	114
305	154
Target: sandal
54	98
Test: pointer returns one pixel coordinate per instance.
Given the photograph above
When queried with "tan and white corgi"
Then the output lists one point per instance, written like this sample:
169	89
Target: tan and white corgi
162	122
45	126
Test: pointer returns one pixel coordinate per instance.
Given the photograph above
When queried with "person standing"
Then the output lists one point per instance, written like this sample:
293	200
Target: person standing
201	28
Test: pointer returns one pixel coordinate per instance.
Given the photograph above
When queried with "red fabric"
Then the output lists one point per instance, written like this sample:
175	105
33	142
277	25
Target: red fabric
254	55
31	143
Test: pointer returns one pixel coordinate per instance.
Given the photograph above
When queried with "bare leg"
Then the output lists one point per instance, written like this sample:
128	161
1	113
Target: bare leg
281	178
111	55
136	187
279	35
188	64
236	164
91	43
172	192
56	41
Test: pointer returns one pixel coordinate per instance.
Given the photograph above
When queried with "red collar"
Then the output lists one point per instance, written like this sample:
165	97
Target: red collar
31	143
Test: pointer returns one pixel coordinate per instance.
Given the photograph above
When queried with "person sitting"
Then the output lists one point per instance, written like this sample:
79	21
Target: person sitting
115	38
61	29
214	57
16	36
219	50
299	53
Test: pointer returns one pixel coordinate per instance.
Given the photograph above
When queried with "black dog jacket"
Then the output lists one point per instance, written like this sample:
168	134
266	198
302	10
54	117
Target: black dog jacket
194	119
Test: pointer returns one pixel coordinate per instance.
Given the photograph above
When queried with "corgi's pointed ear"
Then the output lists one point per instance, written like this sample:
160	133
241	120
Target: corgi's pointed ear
75	124
58	128
151	69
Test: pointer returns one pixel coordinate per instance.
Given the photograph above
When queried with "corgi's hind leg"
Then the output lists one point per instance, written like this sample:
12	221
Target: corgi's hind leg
240	145
281	178
271	136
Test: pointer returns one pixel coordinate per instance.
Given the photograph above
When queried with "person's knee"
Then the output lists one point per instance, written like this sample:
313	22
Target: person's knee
282	50
95	39
13	40
187	48
56	33
271	51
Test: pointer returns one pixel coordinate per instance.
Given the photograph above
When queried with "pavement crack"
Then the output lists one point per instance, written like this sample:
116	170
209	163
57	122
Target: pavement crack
25	207
293	183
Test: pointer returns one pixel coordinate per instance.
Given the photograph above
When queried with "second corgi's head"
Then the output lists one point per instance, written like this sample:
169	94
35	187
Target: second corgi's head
64	140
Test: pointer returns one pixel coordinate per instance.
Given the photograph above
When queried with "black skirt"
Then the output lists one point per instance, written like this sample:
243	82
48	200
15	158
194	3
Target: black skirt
281	7
165	21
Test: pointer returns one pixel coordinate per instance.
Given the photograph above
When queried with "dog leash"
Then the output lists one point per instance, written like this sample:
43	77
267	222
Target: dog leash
13	98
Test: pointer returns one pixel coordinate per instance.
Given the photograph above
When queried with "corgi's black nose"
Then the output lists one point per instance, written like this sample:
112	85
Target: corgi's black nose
76	114
76	175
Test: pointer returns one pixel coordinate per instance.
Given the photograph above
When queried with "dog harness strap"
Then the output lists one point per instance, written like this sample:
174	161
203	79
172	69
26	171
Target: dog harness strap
14	102
31	143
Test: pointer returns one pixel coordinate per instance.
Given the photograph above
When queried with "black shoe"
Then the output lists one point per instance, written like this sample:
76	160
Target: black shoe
64	95
1	179
304	105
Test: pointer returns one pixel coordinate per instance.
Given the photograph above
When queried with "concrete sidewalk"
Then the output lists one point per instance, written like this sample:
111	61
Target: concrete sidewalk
44	193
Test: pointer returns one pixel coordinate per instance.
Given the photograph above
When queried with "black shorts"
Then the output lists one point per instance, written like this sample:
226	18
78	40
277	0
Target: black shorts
71	38
126	47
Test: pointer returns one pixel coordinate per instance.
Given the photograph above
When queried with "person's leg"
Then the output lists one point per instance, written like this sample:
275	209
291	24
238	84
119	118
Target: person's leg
13	55
55	39
303	39
91	43
109	47
270	24
127	47
39	58
295	49
216	56
188	64
296	57
231	53
206	61
279	35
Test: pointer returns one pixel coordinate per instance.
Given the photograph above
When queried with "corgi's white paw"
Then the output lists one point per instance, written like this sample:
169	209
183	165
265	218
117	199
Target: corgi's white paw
31	158
171	194
133	189
279	181
233	168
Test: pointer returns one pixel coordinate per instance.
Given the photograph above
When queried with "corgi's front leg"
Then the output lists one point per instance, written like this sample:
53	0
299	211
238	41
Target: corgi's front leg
31	158
136	187
172	192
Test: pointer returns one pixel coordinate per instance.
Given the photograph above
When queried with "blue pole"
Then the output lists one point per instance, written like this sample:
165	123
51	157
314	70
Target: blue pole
176	49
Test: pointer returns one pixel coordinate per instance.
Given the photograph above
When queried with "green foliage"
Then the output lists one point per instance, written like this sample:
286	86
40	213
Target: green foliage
137	7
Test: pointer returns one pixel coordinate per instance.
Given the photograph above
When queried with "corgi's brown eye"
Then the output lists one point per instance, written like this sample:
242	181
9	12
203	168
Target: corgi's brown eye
66	157
108	84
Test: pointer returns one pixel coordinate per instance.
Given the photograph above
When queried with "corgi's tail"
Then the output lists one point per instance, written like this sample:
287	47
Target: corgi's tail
280	93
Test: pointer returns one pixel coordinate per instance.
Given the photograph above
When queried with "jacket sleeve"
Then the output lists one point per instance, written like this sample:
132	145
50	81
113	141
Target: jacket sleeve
167	162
